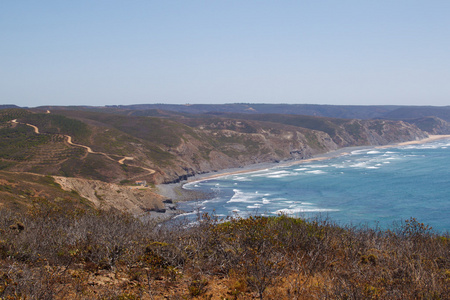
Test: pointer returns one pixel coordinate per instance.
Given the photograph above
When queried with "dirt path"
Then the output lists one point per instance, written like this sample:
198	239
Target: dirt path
89	149
124	159
36	130
69	141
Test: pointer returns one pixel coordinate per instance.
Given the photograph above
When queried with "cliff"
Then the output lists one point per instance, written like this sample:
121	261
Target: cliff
134	200
234	143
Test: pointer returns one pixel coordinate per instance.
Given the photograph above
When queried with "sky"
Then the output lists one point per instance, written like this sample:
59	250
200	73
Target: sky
98	52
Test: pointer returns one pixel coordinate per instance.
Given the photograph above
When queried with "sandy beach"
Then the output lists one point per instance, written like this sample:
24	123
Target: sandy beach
320	157
430	138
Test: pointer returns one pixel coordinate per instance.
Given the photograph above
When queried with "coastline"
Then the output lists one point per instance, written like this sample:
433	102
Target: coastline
178	193
430	138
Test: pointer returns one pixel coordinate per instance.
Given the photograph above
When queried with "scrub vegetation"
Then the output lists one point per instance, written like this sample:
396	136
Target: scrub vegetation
51	253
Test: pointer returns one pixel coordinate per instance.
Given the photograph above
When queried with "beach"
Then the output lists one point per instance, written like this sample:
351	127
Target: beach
177	193
319	157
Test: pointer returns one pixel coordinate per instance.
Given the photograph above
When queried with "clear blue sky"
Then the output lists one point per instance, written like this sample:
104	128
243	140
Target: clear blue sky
100	52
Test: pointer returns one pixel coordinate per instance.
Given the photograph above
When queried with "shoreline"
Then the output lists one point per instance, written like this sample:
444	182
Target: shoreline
318	157
178	193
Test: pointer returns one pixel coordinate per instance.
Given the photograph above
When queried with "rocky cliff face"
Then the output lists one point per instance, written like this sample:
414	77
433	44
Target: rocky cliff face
432	125
103	195
376	132
232	143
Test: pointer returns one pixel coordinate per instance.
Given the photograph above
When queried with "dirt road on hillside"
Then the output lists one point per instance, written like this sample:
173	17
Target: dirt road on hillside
89	149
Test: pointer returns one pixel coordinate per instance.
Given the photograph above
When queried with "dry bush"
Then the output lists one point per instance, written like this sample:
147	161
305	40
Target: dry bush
50	253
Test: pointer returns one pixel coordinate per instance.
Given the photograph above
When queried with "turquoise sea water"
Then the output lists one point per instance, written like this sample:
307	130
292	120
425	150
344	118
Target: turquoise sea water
371	186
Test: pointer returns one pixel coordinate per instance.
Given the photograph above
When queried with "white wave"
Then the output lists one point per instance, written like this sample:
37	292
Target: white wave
240	196
276	174
240	178
281	175
255	206
265	201
302	210
185	214
339	166
358	151
359	165
190	185
421	146
266	173
320	166
316	172
372	167
373	152
301	169
278	199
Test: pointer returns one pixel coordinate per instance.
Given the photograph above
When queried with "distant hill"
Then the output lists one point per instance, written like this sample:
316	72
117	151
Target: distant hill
432	125
391	112
5	106
333	111
414	112
388	112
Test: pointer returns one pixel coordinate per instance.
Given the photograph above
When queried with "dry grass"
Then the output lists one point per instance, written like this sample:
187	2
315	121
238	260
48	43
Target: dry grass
48	253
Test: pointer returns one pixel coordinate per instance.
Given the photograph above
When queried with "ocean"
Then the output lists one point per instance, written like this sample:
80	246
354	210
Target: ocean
375	187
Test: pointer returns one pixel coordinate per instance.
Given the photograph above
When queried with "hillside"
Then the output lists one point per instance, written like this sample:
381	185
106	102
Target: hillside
168	147
19	192
52	253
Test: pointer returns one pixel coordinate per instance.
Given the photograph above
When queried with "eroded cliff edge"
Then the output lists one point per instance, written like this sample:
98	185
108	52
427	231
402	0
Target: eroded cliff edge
233	143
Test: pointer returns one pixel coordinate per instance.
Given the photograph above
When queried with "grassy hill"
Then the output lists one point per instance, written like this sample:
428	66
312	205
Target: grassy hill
20	192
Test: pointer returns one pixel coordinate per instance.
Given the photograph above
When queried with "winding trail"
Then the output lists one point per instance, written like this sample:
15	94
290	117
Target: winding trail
36	130
68	139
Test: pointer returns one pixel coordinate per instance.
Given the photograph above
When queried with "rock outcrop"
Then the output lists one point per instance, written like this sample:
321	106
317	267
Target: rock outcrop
130	199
